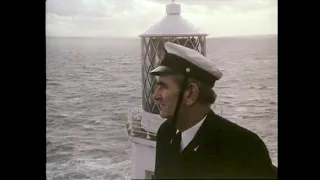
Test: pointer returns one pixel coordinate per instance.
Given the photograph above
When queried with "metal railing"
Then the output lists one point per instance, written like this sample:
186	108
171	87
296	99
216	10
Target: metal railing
136	128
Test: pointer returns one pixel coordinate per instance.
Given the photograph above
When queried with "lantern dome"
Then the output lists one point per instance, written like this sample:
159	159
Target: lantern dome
173	24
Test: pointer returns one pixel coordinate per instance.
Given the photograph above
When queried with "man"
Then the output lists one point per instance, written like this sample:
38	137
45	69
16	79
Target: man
194	142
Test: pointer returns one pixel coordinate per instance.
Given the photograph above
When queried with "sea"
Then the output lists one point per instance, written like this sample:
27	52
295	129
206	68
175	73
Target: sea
93	82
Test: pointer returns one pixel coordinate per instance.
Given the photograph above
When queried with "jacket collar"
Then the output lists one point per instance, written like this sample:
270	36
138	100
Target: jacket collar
207	136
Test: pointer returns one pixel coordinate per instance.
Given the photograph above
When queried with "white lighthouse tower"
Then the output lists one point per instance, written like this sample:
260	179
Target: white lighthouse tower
142	131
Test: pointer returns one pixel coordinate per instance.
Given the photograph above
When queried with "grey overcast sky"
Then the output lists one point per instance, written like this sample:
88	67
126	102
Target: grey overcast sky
129	18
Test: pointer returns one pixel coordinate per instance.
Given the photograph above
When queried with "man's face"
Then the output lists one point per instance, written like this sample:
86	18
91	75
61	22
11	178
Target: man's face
166	94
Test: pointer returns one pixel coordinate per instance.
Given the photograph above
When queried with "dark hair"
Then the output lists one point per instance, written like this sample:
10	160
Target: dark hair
206	94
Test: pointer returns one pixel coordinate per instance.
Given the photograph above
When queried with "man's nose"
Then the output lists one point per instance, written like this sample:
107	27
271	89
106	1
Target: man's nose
156	96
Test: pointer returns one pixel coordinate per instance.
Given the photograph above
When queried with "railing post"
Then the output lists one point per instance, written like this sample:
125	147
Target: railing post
148	135
221	109
130	123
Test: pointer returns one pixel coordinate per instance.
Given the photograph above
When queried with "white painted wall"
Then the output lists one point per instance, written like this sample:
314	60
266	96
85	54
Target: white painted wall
143	157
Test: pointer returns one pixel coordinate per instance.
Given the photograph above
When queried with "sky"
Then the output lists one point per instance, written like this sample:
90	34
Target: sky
130	18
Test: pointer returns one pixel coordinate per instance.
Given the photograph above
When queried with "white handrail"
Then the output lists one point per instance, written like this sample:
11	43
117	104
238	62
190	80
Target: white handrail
136	126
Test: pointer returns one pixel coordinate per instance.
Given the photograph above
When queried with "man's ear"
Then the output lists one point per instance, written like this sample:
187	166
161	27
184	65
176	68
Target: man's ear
192	93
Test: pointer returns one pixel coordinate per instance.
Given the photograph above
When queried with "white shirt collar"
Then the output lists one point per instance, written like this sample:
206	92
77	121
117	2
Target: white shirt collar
188	135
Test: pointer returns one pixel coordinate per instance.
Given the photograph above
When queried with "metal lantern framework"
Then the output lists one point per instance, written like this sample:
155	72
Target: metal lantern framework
172	28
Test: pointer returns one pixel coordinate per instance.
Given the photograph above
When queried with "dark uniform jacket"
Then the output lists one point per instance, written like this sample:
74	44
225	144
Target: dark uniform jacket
220	149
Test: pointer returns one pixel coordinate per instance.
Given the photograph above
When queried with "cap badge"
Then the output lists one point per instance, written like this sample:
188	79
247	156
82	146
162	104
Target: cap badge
187	70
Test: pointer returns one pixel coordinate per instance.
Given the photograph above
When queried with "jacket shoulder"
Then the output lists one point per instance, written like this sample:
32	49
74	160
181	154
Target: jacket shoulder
237	139
230	129
164	128
246	149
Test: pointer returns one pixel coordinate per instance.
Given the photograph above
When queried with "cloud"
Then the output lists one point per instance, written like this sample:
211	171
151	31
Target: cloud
133	17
